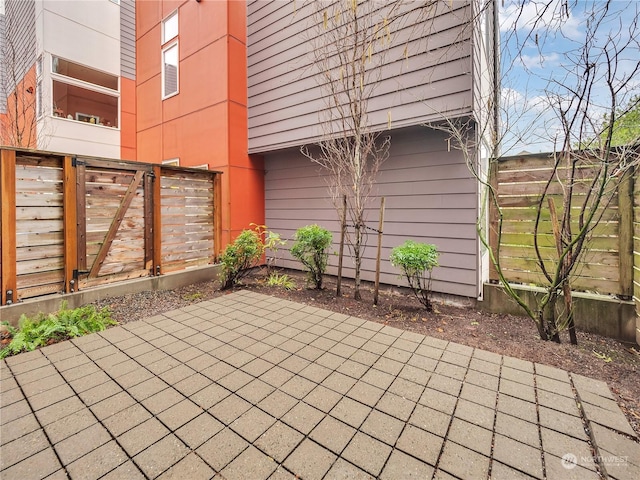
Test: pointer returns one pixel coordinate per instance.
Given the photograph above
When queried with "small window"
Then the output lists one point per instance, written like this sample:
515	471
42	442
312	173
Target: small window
174	162
170	27
170	71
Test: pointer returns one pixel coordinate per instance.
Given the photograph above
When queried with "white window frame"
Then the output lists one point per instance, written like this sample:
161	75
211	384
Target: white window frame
39	83
60	78
174	162
169	18
170	46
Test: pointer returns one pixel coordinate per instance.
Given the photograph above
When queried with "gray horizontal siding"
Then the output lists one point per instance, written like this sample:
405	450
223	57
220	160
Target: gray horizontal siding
286	102
19	37
128	39
430	197
3	94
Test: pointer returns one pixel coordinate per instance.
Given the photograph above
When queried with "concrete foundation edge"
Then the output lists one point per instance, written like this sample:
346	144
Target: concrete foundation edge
600	314
170	281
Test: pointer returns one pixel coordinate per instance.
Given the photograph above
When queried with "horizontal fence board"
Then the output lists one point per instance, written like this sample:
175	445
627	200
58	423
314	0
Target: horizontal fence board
520	183
41	278
43	199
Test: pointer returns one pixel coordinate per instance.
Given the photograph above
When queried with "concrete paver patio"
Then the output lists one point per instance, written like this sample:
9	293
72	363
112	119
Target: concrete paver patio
247	386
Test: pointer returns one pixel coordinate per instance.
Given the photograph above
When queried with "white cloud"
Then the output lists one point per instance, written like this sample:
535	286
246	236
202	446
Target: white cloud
540	60
540	16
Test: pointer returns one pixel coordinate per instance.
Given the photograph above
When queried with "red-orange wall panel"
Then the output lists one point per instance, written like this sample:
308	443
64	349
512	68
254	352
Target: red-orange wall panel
201	24
149	110
203	82
150	145
247	198
237	72
198	138
238	19
148	55
148	16
169	6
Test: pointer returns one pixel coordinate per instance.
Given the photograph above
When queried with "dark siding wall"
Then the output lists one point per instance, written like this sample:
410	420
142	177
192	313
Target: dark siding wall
430	197
286	102
128	39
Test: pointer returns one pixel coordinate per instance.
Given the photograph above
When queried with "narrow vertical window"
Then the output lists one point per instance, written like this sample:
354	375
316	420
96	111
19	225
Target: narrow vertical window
170	56
170	71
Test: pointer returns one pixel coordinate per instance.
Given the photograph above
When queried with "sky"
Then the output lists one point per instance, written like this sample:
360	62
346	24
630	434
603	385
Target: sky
542	44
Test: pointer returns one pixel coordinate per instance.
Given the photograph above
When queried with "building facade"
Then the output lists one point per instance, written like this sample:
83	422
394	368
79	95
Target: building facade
234	86
69	75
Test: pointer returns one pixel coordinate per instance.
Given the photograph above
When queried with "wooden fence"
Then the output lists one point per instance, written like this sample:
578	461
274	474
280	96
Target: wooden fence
69	223
607	265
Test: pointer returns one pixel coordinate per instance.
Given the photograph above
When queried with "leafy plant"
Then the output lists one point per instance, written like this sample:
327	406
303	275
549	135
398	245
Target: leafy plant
66	323
272	241
310	247
240	256
280	280
416	260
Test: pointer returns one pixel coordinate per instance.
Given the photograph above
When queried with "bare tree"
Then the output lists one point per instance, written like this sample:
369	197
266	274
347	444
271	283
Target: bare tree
349	46
19	86
580	107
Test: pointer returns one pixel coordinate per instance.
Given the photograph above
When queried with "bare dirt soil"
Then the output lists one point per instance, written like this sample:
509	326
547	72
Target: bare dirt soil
595	356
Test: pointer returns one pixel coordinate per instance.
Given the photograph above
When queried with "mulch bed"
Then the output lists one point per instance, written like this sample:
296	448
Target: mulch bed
595	356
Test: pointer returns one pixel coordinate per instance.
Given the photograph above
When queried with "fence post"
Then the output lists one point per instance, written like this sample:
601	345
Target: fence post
8	223
625	235
157	220
217	215
70	220
493	218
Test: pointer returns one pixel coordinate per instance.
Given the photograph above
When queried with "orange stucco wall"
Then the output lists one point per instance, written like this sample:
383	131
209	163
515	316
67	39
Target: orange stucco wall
18	125
206	122
128	137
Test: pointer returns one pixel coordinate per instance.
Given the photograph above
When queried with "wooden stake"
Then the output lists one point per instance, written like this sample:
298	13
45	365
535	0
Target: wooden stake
343	227
380	226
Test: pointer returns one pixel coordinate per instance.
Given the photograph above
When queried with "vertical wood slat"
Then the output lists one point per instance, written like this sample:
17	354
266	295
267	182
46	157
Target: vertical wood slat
8	216
148	222
217	215
70	222
157	220
493	218
81	217
625	235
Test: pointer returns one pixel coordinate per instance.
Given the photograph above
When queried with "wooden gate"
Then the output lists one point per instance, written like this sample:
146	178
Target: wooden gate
114	221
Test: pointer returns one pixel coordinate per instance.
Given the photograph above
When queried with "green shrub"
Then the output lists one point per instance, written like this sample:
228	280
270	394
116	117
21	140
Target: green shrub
240	256
310	247
280	280
416	260
64	324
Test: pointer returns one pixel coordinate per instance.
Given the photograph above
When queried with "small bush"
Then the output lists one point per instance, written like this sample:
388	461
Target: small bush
44	329
240	256
416	260
310	247
280	280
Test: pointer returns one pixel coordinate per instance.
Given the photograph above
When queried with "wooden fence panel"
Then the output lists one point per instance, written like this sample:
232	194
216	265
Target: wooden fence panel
69	223
39	226
520	183
187	219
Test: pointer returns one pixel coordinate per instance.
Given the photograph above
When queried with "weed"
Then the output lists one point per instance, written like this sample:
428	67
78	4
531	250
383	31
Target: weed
284	281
